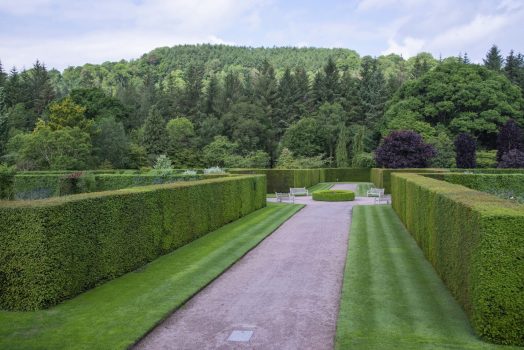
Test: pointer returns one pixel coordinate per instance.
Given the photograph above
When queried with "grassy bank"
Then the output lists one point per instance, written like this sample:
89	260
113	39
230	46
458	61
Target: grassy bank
118	313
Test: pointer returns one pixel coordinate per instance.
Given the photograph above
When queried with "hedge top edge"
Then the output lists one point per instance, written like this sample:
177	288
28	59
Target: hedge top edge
485	203
52	201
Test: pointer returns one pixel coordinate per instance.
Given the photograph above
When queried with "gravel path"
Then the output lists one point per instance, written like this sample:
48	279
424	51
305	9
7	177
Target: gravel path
286	290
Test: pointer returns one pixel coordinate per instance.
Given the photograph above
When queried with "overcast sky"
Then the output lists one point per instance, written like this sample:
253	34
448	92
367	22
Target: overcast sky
73	32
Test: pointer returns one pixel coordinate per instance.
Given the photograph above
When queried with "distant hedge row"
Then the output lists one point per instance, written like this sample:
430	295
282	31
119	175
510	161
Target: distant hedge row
281	180
54	249
475	242
381	177
46	185
512	183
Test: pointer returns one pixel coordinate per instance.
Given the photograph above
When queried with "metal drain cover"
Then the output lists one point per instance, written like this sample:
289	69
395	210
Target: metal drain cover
243	336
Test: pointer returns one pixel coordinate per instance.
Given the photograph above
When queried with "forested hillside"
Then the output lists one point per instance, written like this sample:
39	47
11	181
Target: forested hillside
207	105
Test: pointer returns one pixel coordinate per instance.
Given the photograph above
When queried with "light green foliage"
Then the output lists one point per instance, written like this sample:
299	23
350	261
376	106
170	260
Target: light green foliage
475	243
391	296
44	148
99	236
287	160
66	113
305	138
214	170
181	142
487	159
363	160
160	287
162	165
333	195
330	117
445	157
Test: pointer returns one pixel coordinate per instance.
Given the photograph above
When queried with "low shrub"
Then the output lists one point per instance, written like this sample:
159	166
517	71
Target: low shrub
7	178
333	195
54	249
475	243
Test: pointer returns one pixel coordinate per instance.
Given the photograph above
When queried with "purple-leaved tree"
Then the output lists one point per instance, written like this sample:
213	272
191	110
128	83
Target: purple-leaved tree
513	158
404	149
466	151
510	137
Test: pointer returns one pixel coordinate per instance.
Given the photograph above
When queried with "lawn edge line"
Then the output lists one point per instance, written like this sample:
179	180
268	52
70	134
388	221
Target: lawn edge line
170	313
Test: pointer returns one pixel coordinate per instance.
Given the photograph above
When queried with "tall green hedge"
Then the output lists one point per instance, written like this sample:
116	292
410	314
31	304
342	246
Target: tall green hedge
54	249
381	177
281	180
347	174
475	242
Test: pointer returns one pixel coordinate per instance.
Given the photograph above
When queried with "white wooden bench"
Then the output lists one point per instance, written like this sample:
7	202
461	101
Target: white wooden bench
284	197
377	193
299	191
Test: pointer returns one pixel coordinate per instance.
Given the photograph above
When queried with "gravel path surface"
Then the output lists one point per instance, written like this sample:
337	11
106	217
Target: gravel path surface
286	290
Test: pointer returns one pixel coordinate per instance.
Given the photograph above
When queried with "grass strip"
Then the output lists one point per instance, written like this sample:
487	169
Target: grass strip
118	313
321	187
391	297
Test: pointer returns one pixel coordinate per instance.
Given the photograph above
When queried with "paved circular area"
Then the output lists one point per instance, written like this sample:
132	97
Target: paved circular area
284	294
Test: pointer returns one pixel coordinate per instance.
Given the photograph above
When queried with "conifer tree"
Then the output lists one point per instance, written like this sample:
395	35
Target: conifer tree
493	59
341	151
155	135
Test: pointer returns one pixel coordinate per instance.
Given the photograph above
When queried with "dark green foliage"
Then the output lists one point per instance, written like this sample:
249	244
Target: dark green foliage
155	135
475	243
7	178
463	98
465	151
493	59
54	249
333	196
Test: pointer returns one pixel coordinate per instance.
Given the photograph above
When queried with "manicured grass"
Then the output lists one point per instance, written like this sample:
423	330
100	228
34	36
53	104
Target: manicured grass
118	313
392	298
362	188
320	187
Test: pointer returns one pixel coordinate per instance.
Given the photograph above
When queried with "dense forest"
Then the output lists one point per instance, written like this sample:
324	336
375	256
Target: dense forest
217	105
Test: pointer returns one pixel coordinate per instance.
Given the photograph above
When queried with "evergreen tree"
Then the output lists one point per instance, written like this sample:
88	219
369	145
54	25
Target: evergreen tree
193	78
331	81
373	93
155	136
232	89
40	90
493	59
212	102
358	144
341	151
510	137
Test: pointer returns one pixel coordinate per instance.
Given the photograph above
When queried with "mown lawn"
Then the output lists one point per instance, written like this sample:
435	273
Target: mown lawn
118	313
392	298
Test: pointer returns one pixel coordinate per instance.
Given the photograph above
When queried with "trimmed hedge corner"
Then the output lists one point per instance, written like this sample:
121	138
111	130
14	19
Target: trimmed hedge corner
381	177
475	241
54	249
334	195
